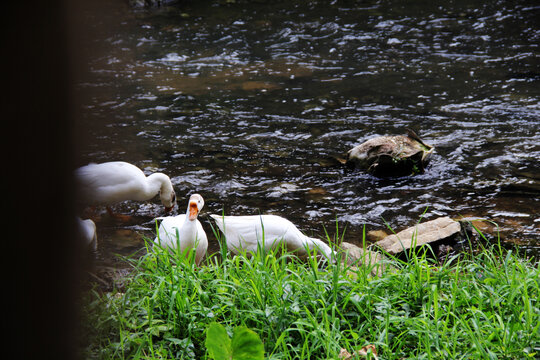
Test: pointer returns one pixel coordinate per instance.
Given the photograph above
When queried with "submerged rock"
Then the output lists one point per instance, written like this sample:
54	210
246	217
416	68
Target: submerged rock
376	235
442	229
391	155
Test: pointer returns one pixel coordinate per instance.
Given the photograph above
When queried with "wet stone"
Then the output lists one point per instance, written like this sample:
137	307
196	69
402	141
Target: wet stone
357	257
442	229
386	156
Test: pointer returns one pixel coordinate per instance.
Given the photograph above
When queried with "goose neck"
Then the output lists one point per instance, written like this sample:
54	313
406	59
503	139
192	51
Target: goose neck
157	182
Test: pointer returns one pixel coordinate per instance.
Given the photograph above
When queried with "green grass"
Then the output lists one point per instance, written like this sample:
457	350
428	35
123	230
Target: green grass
481	306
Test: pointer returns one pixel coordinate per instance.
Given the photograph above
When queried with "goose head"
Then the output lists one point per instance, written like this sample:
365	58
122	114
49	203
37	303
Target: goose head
196	203
168	198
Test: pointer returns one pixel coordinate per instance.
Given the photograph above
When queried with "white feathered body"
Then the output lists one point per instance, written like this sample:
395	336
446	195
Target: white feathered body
189	234
249	232
88	232
116	181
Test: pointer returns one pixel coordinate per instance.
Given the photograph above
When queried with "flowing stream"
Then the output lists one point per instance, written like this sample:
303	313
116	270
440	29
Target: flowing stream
251	103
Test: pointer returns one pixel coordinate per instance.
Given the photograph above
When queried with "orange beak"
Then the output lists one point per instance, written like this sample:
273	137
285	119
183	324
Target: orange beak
193	211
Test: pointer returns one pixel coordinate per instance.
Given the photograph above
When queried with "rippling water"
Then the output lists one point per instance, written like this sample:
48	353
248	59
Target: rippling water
250	104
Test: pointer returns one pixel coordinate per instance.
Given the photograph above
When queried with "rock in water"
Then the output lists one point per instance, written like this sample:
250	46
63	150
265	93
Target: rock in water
391	155
441	229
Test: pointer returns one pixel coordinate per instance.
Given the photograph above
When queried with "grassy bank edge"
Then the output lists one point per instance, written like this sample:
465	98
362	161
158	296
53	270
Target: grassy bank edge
475	305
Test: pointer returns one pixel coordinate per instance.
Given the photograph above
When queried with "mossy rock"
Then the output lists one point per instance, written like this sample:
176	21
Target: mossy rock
386	156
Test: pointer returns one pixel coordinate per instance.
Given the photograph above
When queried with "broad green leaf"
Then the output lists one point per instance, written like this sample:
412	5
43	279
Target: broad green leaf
218	342
246	345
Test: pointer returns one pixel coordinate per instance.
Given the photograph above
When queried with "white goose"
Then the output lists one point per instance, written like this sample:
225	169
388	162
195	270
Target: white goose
87	232
246	233
116	181
185	230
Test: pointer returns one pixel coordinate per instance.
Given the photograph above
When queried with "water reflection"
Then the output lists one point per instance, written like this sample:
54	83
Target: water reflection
251	104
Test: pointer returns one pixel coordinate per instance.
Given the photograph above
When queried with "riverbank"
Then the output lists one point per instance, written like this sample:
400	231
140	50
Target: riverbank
471	305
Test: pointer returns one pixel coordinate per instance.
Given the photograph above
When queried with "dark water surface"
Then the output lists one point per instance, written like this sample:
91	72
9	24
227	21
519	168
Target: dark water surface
249	104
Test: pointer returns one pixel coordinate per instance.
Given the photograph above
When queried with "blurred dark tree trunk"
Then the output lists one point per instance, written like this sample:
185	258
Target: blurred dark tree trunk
43	272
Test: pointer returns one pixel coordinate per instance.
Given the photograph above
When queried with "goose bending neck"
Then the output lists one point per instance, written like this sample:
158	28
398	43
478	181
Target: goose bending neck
321	246
155	183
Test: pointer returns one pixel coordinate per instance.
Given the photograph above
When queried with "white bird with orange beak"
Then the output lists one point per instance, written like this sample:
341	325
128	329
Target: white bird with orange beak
184	230
117	181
